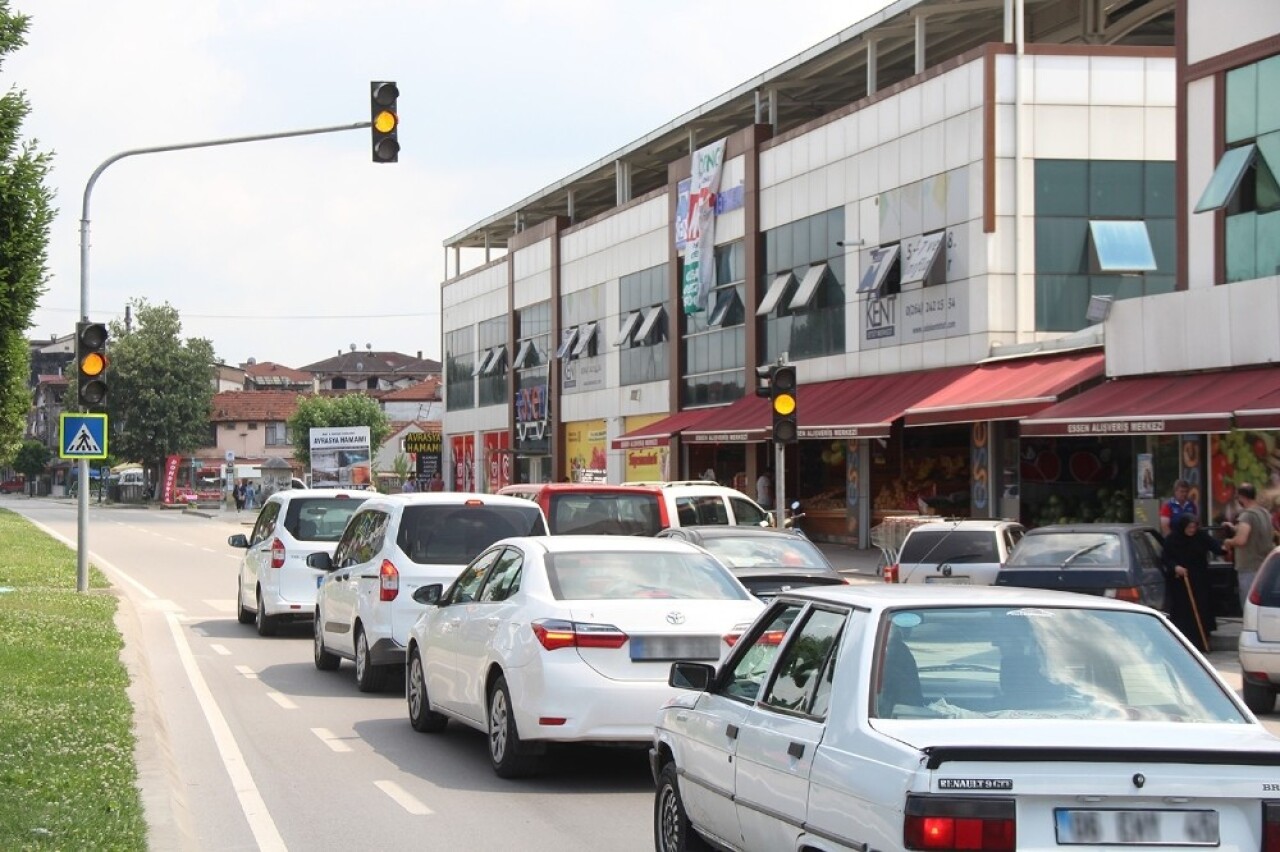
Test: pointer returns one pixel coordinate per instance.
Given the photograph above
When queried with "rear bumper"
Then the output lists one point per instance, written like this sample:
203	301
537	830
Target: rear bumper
593	707
1259	656
385	652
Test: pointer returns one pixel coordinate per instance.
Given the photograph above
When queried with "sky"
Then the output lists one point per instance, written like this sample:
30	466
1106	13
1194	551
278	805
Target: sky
291	250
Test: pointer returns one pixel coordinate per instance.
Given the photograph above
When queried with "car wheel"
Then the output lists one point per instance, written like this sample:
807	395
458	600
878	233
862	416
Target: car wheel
672	831
266	624
1259	698
421	716
506	751
369	678
243	615
325	661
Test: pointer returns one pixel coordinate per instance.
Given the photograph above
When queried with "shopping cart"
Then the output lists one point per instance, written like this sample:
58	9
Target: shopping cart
888	536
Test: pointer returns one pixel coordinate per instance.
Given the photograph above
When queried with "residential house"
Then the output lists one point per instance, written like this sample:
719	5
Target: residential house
252	426
367	370
268	375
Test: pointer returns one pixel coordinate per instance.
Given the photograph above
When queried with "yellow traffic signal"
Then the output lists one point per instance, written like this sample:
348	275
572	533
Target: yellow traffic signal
91	363
384	118
782	395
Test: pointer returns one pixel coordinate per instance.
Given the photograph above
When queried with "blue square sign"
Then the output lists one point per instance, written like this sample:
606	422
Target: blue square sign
82	436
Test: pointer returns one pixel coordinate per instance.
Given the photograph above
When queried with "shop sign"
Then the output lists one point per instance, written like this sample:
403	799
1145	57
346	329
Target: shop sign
422	442
877	430
1116	427
583	374
725	437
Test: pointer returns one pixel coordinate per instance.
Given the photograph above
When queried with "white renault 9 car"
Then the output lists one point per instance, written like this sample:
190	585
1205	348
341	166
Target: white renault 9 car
275	582
568	639
960	717
392	545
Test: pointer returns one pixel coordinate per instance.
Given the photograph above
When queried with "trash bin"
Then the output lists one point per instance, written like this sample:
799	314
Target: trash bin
132	493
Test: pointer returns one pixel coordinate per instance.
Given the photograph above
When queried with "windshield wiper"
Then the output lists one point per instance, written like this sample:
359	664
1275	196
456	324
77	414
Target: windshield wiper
1081	552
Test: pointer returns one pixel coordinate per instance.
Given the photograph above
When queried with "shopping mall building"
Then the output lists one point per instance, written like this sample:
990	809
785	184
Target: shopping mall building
1023	255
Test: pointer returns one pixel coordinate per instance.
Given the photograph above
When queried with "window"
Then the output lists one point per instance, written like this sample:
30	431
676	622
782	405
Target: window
1121	246
652	329
493	364
522	355
808	286
922	264
775	293
371	384
277	434
467	585
878	278
228	427
253	427
725	310
629	326
567	337
639	294
504	580
338	384
586	345
492	385
461	365
1227	178
751	664
803	663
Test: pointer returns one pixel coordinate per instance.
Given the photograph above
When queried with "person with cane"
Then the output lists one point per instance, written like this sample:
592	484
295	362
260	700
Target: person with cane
1186	562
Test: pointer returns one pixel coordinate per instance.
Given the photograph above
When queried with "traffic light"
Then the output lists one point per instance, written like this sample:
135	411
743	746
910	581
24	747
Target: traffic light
91	362
782	396
385	121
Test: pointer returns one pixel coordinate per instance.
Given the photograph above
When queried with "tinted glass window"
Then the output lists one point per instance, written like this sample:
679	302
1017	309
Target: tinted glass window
931	546
604	514
751	551
1074	548
504	579
753	662
747	513
701	510
266	522
468	583
802	662
369	538
320	518
622	574
454	534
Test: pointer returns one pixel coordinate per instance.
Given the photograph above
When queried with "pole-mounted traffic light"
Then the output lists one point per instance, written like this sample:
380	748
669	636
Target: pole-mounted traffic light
91	362
782	396
385	121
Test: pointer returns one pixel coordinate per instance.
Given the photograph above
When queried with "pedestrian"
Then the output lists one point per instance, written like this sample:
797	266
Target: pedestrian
250	495
238	495
764	490
1251	537
709	475
407	488
1189	585
437	482
1179	504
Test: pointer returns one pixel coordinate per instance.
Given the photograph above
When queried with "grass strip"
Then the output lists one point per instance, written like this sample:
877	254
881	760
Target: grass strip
67	773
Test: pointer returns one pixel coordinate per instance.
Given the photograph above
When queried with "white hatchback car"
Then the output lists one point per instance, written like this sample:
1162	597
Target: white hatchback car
966	717
964	552
568	639
694	502
392	545
275	582
1259	648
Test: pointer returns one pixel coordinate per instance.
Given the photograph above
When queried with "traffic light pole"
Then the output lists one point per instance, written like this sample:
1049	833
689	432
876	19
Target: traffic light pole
82	488
780	487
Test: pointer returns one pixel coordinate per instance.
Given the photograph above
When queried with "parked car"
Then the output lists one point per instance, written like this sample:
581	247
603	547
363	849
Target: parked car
697	502
13	486
964	552
581	508
1259	647
767	561
394	544
567	639
1116	560
916	717
275	582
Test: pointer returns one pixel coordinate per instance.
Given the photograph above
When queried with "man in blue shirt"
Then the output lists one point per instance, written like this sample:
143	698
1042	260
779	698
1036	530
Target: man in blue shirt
1179	504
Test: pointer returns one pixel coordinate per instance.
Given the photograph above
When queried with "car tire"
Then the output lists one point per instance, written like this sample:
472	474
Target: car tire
325	661
509	755
266	624
1259	698
421	716
369	678
672	831
243	614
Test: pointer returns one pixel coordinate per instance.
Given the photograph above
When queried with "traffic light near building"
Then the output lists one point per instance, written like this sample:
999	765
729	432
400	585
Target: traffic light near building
384	117
782	399
91	363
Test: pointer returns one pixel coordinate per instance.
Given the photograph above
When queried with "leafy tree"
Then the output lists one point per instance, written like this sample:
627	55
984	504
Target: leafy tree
351	409
26	211
32	458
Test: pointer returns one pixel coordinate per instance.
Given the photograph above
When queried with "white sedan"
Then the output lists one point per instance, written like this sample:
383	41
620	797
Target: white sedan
946	718
567	639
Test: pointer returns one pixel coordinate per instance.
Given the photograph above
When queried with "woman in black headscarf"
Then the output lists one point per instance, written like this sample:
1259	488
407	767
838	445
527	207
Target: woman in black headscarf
1186	554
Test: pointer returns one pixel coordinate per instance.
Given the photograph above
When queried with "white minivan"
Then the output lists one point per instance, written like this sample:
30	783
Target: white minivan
393	544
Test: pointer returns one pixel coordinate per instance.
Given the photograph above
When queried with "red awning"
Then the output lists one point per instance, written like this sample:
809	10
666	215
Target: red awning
658	433
1007	390
1262	413
1157	405
745	421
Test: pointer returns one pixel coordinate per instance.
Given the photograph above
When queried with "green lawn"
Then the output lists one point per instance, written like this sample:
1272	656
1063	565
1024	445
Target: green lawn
67	776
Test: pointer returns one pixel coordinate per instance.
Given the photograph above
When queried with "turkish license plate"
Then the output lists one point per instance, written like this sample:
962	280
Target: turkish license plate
952	581
675	647
1146	827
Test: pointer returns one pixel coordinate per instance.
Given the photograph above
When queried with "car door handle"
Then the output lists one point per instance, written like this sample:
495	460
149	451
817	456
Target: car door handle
796	750
731	731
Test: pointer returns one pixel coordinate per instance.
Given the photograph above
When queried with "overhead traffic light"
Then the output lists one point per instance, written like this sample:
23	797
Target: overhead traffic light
91	363
384	119
782	399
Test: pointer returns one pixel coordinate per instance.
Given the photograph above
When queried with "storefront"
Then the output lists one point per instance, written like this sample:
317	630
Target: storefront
584	452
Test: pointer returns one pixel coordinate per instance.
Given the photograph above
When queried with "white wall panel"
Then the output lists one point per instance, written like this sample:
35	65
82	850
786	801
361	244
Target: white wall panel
909	110
1160	133
1200	231
1212	29
1116	133
1060	80
1061	132
1117	80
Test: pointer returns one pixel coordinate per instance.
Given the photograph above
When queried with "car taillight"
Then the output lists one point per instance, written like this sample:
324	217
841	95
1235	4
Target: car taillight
1271	827
955	823
1129	593
277	554
891	573
731	638
554	634
388	581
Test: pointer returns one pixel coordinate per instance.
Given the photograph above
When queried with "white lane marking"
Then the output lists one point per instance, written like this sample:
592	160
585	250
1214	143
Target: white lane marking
220	650
163	606
251	803
402	798
210	550
222	605
107	567
247	672
282	700
330	739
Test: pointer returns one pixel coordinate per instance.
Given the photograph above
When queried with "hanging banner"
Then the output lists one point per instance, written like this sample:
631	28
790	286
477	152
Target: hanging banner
700	228
170	491
584	443
464	462
426	447
497	459
340	455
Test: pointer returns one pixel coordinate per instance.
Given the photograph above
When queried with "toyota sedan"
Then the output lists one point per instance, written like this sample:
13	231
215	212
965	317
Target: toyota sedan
946	718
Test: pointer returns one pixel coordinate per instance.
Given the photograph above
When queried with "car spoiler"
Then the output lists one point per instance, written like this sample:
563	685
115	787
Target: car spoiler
938	755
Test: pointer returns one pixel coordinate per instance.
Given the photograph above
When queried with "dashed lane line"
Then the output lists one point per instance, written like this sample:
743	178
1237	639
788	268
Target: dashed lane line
402	797
247	672
282	700
220	650
331	740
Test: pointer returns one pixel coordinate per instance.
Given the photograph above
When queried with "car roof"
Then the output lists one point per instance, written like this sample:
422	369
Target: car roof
881	596
600	543
324	493
966	524
568	487
443	498
1115	528
737	531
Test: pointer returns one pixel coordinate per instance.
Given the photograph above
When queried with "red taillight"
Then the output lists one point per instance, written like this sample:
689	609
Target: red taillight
554	634
955	823
891	573
1130	594
1271	827
731	638
277	554
1255	594
388	581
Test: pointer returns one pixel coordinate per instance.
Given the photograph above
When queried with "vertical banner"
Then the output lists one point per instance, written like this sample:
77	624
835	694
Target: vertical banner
584	443
980	470
469	463
425	447
852	494
700	227
170	492
497	459
1189	467
340	456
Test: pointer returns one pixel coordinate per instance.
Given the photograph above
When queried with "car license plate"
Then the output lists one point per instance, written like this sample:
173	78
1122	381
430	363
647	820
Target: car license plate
675	647
1148	827
953	581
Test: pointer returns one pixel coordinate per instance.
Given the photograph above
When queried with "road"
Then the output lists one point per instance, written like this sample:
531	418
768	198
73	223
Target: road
245	745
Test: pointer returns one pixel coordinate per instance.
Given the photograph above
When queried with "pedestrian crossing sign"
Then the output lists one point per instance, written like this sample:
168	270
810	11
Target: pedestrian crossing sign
82	436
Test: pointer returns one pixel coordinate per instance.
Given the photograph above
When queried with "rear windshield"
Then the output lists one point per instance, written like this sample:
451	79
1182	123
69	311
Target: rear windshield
454	534
320	518
596	513
1068	548
622	575
930	546
765	552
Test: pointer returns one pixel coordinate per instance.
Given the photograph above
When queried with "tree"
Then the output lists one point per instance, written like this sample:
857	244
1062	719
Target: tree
31	459
26	211
351	409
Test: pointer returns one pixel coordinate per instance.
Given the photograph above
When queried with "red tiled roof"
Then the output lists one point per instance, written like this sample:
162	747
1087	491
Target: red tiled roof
258	406
270	368
427	390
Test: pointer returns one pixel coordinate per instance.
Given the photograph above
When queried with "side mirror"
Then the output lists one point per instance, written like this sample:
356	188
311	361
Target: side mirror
429	595
769	520
320	560
238	540
695	676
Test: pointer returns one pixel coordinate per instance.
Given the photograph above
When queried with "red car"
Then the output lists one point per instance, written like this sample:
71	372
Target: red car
12	486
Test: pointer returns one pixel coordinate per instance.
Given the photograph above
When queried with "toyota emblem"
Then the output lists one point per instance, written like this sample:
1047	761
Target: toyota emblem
675	618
